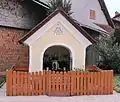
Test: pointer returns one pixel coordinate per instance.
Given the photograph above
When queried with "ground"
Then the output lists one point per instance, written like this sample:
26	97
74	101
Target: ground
102	98
92	98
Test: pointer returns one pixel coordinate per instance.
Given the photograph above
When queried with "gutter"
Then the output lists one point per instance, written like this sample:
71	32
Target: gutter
95	29
41	3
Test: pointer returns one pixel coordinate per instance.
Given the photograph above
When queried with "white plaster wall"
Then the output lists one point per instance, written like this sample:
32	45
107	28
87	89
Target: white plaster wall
45	37
81	11
49	38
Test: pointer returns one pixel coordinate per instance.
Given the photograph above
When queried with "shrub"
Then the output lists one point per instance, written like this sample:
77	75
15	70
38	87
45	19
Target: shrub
64	4
109	52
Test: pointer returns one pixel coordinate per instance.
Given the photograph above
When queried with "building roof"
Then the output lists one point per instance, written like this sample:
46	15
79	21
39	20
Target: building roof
23	14
116	16
115	20
76	25
106	13
105	27
20	14
92	26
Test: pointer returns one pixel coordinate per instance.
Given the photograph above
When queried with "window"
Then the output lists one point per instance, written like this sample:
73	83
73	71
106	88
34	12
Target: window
92	14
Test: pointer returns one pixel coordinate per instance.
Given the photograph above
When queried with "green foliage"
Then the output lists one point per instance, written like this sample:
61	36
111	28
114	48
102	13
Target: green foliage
117	35
109	50
79	69
64	4
117	83
2	79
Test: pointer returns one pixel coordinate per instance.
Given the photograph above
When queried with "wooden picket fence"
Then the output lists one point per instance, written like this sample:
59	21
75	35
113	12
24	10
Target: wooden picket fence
59	83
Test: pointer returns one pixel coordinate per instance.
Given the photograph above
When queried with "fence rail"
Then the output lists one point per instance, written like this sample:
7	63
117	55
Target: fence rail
59	83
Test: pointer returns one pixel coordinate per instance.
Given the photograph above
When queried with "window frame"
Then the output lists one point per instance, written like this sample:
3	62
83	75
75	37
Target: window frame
92	14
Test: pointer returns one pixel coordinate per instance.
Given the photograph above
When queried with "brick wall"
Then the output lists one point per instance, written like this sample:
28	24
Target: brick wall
11	52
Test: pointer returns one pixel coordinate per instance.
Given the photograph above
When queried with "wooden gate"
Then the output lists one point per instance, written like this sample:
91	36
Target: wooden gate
58	83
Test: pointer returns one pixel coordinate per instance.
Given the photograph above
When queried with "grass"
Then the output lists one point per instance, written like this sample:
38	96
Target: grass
117	83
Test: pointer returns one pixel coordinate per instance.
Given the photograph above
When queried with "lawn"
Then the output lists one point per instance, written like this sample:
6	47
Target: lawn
117	83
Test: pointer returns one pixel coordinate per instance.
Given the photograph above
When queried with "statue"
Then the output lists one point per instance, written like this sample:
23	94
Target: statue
55	65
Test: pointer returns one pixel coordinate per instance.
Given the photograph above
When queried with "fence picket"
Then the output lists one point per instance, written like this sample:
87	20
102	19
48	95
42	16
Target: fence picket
106	82
39	83
43	82
68	87
88	84
84	82
78	83
14	83
73	83
81	83
98	83
24	85
65	83
92	83
21	83
102	82
95	82
61	83
32	83
53	82
57	82
29	84
111	82
8	83
49	83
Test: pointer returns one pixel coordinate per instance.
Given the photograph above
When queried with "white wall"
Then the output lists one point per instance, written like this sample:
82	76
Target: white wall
81	11
45	37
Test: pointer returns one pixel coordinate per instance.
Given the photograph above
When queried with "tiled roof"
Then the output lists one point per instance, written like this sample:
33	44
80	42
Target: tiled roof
116	16
105	27
19	14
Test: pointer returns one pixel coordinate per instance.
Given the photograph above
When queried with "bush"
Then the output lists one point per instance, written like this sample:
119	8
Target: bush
79	69
117	83
2	79
109	52
64	4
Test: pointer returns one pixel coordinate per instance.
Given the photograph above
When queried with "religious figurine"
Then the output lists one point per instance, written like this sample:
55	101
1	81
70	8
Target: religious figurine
55	65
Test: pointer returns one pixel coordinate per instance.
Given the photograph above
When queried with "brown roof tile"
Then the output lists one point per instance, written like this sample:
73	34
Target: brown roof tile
105	27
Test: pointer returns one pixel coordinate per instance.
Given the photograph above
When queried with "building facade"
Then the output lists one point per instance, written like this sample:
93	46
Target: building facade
18	17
